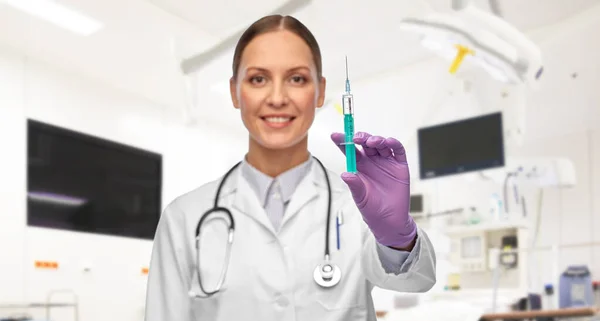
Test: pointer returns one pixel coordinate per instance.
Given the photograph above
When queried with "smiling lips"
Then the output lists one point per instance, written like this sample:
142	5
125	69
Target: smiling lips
278	121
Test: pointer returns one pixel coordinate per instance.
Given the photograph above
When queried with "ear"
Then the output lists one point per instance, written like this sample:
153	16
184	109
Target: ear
321	93
233	93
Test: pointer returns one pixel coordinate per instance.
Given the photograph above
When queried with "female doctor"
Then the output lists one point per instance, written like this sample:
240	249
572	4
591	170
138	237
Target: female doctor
284	205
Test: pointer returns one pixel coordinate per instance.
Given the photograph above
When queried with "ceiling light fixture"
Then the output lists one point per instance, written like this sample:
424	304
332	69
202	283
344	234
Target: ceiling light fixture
482	39
57	14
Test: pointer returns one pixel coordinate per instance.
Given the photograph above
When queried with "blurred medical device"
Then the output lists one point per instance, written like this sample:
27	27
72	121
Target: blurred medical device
492	244
576	288
474	37
475	40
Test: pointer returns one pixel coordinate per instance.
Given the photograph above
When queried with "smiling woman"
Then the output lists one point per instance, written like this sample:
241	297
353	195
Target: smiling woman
277	83
281	202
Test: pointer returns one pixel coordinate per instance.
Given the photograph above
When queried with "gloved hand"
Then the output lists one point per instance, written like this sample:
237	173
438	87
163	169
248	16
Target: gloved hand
381	188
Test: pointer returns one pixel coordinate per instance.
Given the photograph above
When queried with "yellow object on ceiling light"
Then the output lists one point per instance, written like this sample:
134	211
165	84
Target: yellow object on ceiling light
460	56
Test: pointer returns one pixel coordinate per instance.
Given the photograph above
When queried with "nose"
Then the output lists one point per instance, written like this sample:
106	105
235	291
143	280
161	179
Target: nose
278	95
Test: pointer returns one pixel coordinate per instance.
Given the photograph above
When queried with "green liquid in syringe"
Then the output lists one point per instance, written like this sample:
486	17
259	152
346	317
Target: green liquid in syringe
350	148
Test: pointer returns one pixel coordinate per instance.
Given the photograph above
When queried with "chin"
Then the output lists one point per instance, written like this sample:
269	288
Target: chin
278	142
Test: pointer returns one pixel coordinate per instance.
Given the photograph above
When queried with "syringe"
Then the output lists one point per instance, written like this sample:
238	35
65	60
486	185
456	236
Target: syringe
348	107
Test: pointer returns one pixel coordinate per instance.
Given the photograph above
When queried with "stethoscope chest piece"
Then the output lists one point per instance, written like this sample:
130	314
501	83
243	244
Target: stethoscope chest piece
327	275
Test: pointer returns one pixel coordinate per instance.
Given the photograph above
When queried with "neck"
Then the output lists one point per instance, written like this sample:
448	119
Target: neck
273	162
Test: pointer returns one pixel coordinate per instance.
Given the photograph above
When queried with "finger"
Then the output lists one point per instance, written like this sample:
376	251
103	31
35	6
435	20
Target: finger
397	149
380	145
361	138
356	185
339	139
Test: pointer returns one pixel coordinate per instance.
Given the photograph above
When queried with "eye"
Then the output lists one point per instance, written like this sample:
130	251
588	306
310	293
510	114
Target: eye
257	80
298	79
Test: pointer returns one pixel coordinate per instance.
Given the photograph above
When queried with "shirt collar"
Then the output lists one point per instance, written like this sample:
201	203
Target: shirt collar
288	180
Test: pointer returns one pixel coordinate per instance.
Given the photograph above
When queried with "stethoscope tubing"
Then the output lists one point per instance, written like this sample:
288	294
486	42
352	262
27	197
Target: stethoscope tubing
231	229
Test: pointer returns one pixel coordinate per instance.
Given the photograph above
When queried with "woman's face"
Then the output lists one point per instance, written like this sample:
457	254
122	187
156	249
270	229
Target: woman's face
277	90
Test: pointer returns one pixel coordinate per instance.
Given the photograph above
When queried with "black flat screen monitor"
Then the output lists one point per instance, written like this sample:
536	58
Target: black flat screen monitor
462	146
82	183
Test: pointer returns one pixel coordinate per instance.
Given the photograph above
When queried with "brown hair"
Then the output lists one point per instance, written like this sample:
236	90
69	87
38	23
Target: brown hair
273	23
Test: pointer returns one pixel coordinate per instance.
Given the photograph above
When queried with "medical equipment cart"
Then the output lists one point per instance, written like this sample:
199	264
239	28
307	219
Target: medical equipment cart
48	305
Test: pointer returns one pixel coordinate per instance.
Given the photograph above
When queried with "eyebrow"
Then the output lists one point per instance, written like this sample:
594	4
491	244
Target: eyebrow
266	70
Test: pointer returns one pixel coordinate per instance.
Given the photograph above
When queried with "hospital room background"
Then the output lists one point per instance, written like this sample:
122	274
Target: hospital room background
507	230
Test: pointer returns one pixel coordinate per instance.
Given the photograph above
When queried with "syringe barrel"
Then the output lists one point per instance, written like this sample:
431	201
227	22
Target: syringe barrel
348	104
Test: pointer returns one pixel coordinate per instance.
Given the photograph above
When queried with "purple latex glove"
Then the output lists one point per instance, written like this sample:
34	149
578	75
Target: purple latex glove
381	188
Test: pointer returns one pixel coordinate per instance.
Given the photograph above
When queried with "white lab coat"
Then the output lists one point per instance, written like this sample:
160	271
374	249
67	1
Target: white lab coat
270	275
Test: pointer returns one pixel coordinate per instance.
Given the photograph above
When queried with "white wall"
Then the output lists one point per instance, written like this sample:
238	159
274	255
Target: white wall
32	90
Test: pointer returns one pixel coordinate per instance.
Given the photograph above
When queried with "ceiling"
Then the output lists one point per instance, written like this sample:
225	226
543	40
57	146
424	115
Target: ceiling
143	41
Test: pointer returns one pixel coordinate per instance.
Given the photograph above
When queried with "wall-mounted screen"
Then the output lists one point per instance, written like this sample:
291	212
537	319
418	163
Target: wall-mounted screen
462	146
82	183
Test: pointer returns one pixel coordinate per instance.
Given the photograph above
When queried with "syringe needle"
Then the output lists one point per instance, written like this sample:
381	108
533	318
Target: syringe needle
347	79
346	67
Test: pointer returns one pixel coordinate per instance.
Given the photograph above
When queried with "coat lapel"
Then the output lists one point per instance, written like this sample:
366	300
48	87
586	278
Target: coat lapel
311	187
246	203
307	191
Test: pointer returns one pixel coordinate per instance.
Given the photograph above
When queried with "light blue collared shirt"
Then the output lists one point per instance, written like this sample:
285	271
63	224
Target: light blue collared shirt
275	194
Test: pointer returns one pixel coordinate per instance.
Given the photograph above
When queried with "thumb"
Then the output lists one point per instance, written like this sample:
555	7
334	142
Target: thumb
356	185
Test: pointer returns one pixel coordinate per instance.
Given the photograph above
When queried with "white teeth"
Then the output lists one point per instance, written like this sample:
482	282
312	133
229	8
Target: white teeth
277	119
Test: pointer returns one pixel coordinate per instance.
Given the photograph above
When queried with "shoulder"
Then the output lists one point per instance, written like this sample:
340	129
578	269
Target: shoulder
194	200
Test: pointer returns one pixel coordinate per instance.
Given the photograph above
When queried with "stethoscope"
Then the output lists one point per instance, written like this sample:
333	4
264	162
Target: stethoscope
326	274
